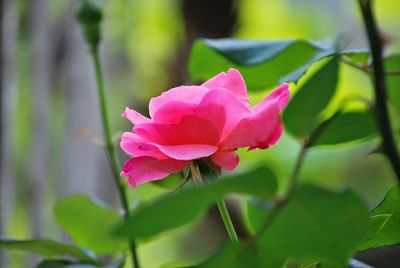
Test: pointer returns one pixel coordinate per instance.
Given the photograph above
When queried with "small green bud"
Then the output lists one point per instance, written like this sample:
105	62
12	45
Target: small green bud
87	12
89	16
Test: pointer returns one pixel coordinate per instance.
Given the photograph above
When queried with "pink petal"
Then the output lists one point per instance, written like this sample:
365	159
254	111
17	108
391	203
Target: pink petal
275	136
135	117
280	95
263	127
227	160
192	138
271	140
231	80
172	112
252	131
135	146
226	118
190	130
185	94
219	106
147	132
188	151
145	168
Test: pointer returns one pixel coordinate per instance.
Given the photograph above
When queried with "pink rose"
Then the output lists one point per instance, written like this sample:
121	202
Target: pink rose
193	122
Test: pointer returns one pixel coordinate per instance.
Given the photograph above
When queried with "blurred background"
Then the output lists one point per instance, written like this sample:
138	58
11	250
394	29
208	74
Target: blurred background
50	123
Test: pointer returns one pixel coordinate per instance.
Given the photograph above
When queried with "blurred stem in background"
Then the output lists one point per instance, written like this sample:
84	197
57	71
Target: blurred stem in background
110	149
381	110
90	17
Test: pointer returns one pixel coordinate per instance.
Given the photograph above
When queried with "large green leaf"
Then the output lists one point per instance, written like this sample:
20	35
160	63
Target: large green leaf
392	63
88	223
262	63
236	255
177	209
315	225
384	221
298	73
249	52
301	114
347	127
47	248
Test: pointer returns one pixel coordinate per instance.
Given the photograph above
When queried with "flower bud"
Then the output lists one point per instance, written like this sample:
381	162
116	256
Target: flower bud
89	16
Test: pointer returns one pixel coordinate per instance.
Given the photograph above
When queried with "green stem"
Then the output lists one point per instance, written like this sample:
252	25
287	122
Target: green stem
223	211
110	149
382	115
361	67
285	198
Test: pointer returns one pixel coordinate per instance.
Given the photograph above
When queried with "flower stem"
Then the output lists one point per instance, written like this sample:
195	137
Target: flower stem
223	211
382	115
110	149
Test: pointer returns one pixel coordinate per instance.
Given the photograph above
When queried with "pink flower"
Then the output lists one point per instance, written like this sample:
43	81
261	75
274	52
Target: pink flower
193	122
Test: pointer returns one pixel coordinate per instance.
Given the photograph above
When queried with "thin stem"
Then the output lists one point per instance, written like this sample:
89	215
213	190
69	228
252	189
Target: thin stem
366	68
361	67
382	115
285	198
110	149
394	72
223	210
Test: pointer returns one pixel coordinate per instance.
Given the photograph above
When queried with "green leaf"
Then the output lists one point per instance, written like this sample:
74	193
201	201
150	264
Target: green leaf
315	225
248	52
177	209
392	63
262	63
301	114
235	255
384	227
88	223
357	56
347	127
298	73
47	248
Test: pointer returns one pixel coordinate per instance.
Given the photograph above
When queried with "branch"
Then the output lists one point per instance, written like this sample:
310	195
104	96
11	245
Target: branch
381	111
365	67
